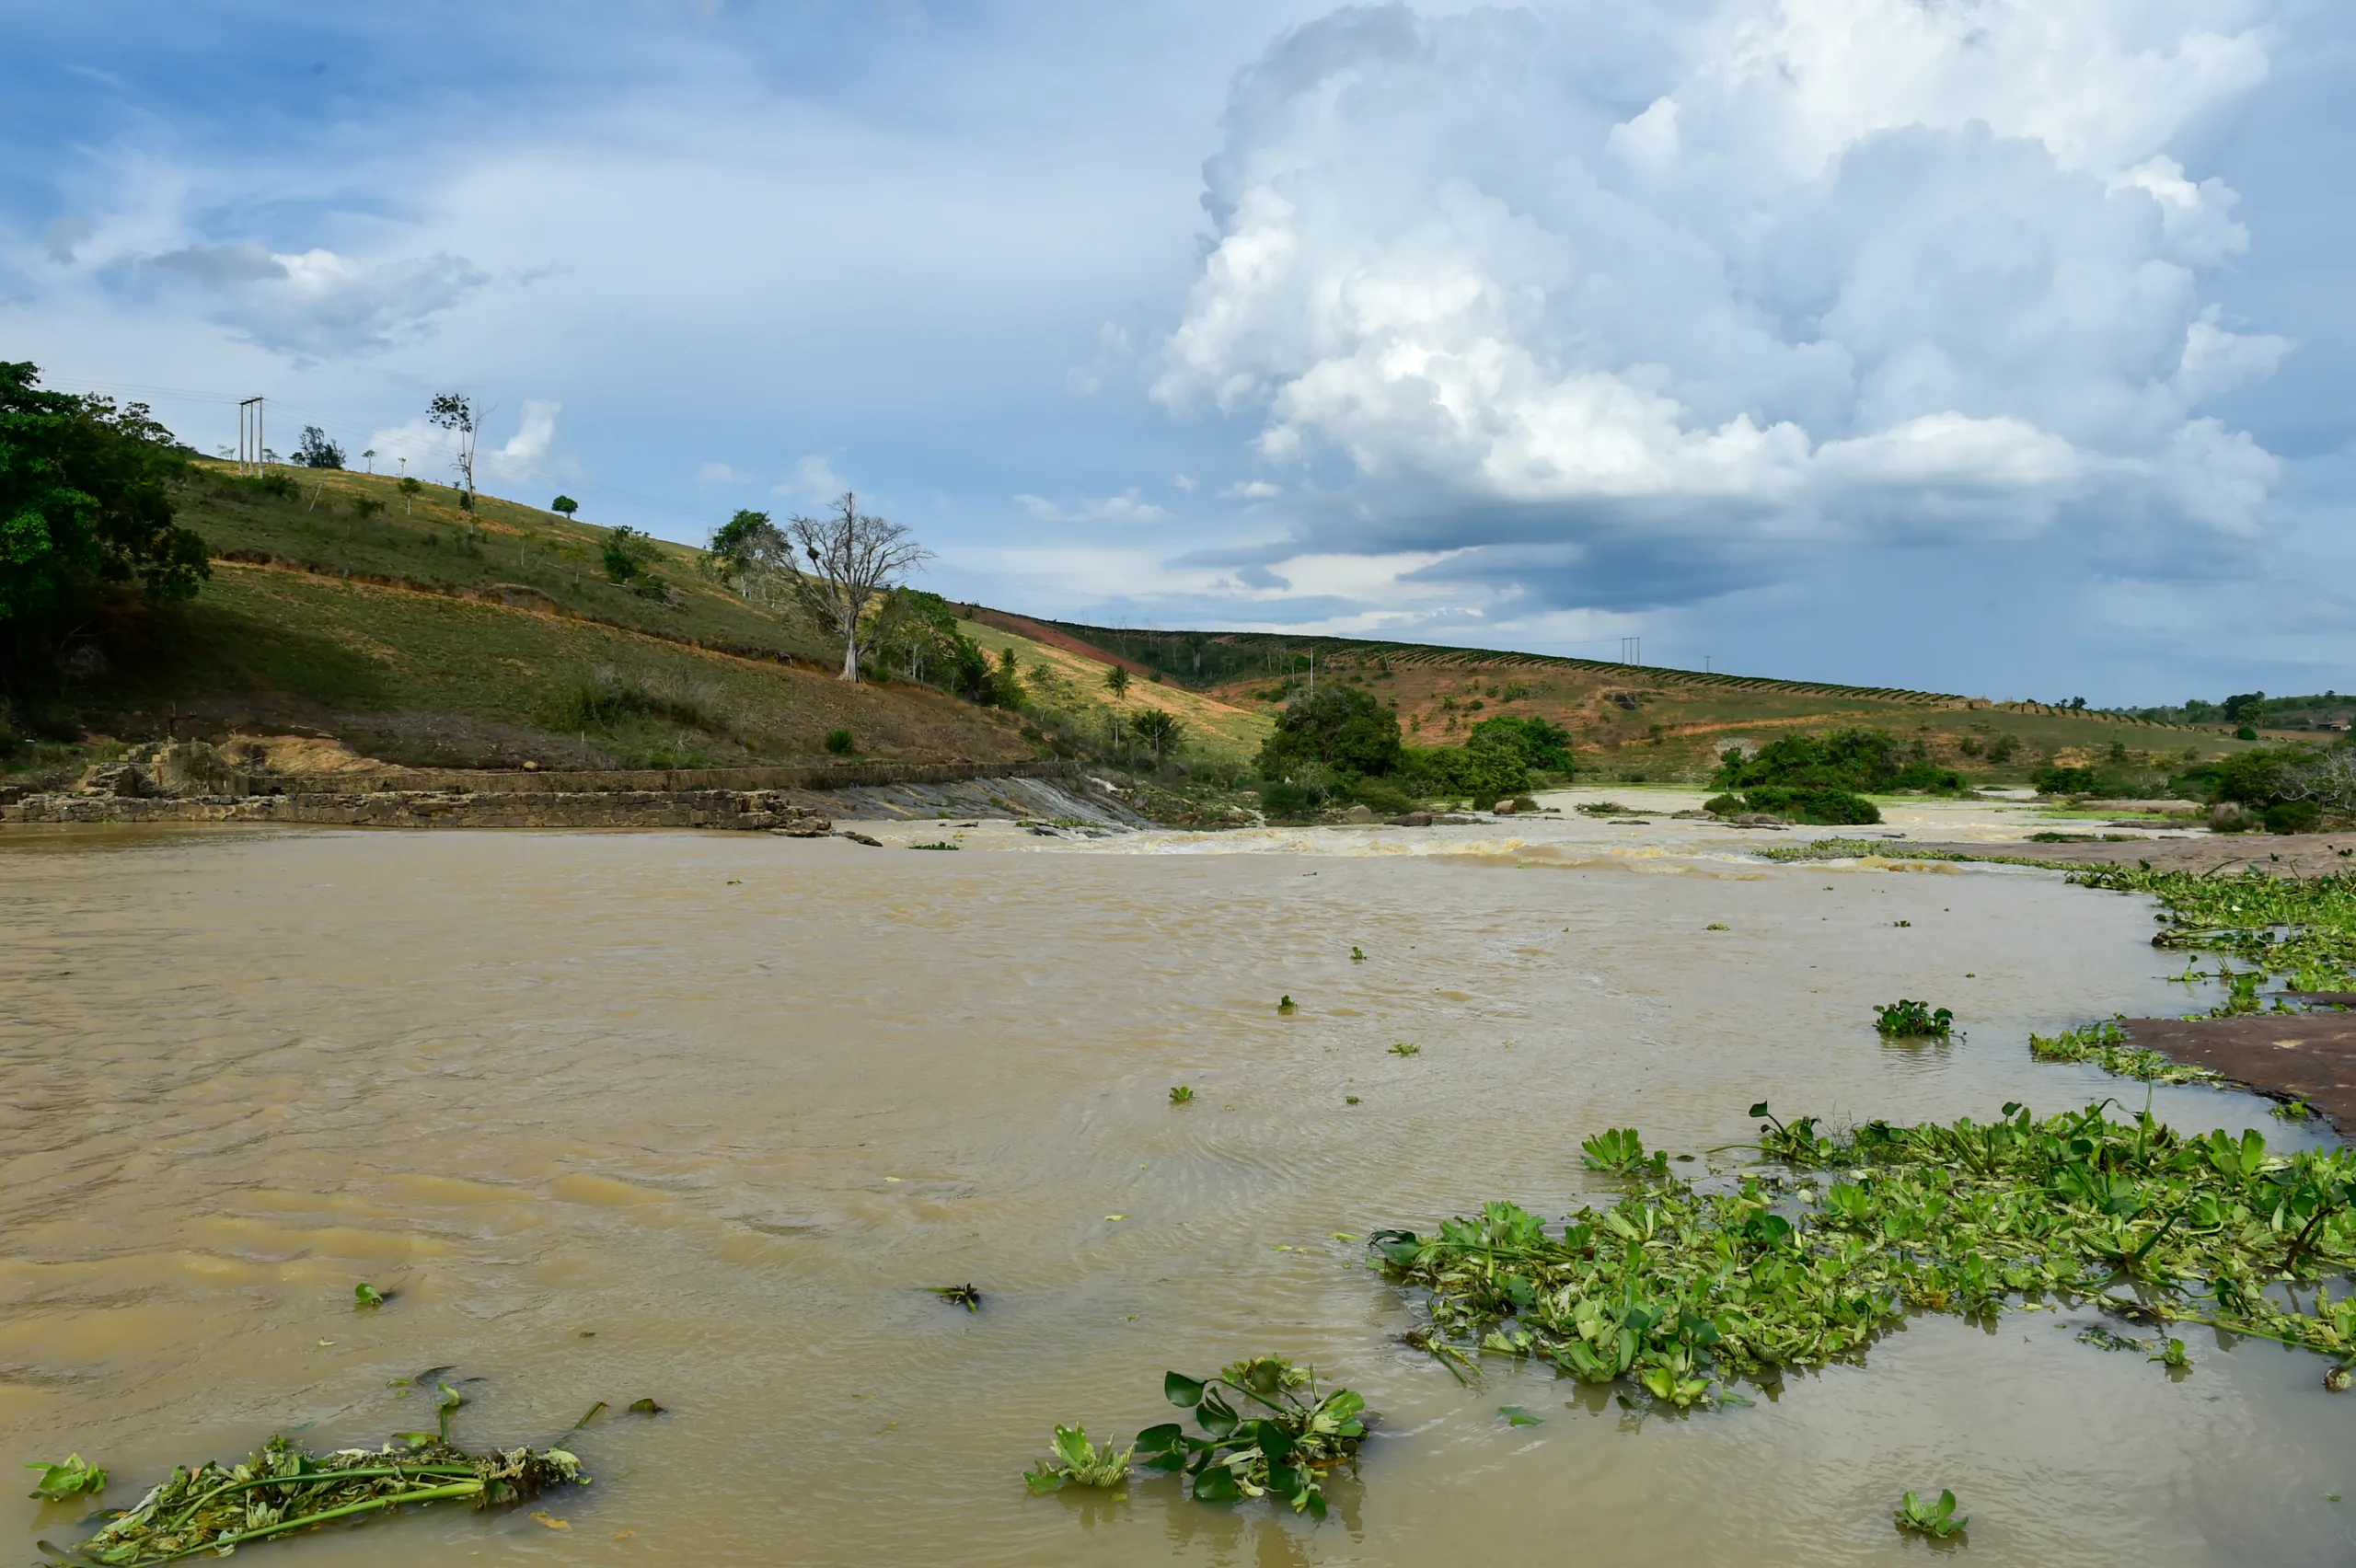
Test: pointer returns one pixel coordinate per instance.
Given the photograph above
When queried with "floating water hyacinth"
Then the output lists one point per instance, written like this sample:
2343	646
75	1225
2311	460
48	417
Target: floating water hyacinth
284	1487
1679	1290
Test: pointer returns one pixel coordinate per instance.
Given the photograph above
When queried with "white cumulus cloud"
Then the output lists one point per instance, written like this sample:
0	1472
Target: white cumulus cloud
1858	268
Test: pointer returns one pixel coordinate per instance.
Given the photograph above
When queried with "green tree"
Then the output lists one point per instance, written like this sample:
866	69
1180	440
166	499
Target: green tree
1343	728
462	416
315	451
83	506
628	554
919	636
564	506
1489	765
1116	681
1544	746
1158	729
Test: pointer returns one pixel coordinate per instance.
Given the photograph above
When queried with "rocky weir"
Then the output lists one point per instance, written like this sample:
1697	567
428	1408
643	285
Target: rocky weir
194	781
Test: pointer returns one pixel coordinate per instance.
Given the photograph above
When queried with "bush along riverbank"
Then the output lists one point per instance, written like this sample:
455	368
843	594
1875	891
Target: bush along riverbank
1686	1290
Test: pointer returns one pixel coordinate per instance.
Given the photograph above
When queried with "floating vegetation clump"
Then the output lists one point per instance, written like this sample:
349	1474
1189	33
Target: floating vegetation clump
2300	930
284	1487
1903	1020
1681	1290
2104	1044
1078	1463
1937	1519
1291	1435
1621	1152
1266	1429
61	1484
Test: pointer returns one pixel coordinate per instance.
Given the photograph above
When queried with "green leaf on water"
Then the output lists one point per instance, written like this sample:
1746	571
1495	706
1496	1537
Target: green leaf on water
1937	1519
644	1407
1181	1390
72	1479
366	1295
1516	1416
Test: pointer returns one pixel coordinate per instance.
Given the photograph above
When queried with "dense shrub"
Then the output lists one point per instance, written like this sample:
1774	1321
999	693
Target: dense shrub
1843	760
1725	805
2294	816
1487	767
1343	728
601	697
1382	795
1546	748
1823	804
2065	781
1282	798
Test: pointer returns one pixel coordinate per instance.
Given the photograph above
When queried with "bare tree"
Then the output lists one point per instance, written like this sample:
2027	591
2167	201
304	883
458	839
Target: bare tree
854	560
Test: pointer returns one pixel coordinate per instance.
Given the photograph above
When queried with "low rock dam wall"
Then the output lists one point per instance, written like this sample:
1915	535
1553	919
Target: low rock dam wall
743	809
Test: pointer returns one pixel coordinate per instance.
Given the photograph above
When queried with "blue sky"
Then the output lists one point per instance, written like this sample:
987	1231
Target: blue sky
1994	347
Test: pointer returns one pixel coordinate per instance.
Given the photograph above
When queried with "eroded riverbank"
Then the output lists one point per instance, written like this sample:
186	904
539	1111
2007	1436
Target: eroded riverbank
729	1104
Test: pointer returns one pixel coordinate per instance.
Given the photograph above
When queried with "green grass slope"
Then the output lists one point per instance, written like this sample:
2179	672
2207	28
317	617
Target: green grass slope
396	624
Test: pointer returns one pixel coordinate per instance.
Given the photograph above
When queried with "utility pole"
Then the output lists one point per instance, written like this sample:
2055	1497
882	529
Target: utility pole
250	446
1632	650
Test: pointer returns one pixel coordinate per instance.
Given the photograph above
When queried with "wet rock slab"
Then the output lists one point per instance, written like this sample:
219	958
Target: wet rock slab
2309	1056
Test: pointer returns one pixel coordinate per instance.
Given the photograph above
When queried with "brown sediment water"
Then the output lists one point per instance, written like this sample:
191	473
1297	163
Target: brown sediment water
699	1118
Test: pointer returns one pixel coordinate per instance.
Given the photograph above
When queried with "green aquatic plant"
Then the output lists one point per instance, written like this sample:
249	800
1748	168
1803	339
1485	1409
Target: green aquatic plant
1905	1020
1808	1259
2104	1044
61	1484
284	1487
1621	1152
1078	1463
2291	1111
2174	1356
1357	957
1403	1049
963	1295
1297	1435
1516	1416
1717	925
1182	1095
366	1295
648	1407
1285	1003
1938	1520
937	844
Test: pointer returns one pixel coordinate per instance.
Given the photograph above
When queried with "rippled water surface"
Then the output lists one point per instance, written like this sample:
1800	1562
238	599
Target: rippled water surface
696	1117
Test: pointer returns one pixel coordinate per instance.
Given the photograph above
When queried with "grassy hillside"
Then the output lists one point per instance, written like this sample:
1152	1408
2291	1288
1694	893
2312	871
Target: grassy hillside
1064	681
1634	723
340	603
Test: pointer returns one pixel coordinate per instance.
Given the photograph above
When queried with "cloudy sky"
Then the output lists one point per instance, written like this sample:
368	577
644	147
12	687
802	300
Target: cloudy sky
1995	346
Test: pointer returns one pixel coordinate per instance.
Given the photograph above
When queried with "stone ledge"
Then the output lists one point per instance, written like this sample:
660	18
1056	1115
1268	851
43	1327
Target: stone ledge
738	810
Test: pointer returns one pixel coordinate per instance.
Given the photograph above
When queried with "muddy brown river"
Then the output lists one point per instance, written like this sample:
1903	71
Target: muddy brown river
700	1117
